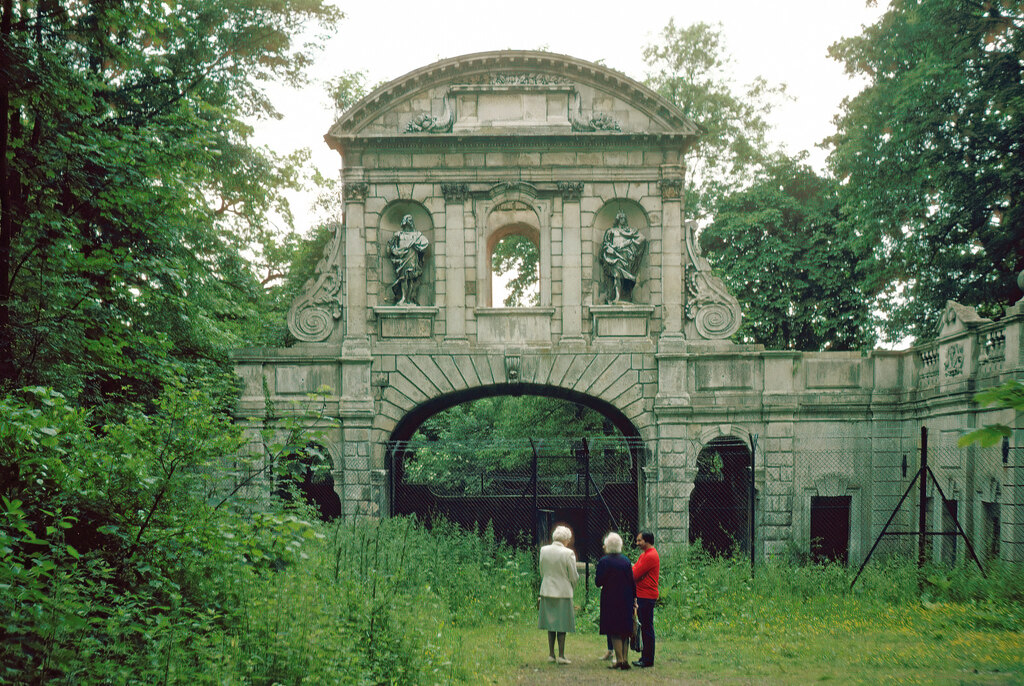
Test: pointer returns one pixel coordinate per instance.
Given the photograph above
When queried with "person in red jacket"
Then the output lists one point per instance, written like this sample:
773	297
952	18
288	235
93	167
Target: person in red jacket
645	574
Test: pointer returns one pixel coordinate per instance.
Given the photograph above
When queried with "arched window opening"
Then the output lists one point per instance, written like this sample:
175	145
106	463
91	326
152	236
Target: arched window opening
515	268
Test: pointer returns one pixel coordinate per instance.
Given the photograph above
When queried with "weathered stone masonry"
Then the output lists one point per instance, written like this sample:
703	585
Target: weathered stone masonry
552	148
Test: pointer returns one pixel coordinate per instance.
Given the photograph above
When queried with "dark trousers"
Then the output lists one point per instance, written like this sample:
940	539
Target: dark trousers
645	613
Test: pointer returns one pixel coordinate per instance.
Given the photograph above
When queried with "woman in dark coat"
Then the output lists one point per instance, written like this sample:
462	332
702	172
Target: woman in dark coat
614	577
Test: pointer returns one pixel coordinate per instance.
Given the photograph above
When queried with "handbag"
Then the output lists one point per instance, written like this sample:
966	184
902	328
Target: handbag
634	640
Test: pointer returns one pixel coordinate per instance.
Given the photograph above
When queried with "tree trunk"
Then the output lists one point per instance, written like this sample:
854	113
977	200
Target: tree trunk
7	369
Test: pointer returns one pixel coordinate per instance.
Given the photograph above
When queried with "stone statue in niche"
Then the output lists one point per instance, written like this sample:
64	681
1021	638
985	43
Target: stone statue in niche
621	252
406	250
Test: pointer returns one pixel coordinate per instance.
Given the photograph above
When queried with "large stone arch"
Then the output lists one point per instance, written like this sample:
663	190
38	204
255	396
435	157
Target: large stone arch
613	379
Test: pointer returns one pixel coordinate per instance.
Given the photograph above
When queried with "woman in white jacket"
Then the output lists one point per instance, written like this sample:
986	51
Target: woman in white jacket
558	578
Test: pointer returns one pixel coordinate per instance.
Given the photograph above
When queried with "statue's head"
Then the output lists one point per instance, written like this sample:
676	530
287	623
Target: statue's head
408	223
620	219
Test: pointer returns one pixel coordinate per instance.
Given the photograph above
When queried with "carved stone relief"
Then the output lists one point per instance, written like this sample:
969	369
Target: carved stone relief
355	191
671	189
954	362
709	304
428	123
570	190
597	121
455	192
313	315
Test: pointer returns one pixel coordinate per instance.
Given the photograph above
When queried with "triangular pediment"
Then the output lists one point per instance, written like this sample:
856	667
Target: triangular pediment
511	92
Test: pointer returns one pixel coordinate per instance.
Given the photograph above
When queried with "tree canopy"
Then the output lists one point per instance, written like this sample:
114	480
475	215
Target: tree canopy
778	246
129	186
689	67
931	158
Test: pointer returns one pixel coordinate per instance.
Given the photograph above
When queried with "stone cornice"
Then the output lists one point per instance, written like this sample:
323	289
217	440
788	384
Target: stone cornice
585	141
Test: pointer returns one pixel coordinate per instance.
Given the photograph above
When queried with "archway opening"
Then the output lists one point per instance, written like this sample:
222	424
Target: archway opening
720	501
514	258
304	474
519	463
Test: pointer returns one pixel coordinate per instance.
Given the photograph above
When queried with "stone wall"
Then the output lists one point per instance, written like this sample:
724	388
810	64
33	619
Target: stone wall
553	148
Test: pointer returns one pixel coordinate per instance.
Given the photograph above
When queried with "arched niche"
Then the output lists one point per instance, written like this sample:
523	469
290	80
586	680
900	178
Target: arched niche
636	217
390	224
513	208
310	473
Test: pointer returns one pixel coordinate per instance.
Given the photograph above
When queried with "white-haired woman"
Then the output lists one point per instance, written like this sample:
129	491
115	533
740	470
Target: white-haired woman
614	576
558	576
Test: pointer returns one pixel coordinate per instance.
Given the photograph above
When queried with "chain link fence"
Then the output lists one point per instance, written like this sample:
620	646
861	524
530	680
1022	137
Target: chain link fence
819	497
522	488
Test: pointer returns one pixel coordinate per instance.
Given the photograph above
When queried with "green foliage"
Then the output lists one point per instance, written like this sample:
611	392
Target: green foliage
460	462
929	157
775	236
780	250
376	602
1008	395
347	89
505	417
701	595
117	543
130	189
690	67
519	256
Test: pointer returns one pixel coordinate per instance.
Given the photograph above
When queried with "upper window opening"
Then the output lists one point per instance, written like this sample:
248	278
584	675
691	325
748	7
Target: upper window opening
515	272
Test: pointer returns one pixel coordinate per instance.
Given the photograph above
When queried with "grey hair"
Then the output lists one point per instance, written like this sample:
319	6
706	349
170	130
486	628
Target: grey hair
613	543
562	534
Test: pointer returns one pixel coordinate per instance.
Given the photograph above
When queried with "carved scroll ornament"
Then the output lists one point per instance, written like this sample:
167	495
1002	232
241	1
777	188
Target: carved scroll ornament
313	315
713	309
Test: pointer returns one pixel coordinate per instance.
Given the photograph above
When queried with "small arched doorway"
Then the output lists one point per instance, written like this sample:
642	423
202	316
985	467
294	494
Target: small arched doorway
720	501
305	473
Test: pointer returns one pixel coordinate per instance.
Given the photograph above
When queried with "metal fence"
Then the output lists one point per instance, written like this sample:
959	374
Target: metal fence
824	497
522	488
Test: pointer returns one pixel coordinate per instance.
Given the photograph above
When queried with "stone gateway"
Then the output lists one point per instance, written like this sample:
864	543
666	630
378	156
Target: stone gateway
401	320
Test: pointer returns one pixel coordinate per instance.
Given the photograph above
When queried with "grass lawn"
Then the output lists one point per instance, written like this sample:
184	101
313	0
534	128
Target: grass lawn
921	650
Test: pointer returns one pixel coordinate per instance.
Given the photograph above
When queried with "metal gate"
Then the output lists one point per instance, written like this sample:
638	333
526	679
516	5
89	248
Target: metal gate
523	487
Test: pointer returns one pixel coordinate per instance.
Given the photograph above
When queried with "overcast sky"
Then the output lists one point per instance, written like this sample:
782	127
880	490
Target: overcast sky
785	41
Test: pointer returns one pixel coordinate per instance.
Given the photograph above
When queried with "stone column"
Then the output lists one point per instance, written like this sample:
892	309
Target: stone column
455	195
572	262
672	250
356	335
356	403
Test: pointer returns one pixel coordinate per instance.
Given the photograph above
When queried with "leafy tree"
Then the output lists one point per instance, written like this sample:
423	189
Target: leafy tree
775	235
780	251
129	189
1010	396
517	255
110	536
930	156
690	67
490	436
